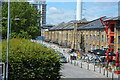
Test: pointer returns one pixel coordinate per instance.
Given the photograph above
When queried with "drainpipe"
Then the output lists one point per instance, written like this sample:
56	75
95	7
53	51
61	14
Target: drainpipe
99	38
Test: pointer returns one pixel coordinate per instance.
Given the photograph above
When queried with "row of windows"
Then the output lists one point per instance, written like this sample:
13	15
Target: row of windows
97	38
92	37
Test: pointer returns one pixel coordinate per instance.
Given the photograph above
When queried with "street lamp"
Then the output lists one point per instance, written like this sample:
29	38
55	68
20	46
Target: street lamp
8	39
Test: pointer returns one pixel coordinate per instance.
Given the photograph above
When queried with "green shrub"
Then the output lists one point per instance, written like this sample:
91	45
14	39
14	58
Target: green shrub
29	60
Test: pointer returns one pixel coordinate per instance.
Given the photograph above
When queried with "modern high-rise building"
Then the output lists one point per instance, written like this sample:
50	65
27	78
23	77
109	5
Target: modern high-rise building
41	6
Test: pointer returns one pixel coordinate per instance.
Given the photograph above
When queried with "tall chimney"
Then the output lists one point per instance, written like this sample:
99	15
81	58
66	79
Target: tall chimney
79	10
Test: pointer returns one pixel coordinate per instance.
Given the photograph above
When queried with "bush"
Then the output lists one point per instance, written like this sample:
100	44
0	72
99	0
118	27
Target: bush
29	60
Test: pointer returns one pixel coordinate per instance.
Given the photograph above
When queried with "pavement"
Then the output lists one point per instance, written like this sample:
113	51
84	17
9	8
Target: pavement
71	71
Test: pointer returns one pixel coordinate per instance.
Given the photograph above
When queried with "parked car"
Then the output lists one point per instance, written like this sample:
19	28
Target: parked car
60	54
63	59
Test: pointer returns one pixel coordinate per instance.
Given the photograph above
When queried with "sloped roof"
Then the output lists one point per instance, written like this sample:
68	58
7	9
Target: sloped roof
96	24
112	18
69	27
47	26
58	26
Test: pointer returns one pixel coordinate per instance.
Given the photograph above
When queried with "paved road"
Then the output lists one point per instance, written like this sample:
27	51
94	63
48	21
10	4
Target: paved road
70	71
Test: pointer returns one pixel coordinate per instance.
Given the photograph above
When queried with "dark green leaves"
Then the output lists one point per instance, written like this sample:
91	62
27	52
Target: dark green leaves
29	60
27	25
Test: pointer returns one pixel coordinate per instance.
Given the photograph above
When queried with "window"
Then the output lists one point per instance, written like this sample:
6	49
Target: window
86	45
90	46
102	38
67	36
98	37
83	36
97	46
90	36
102	48
93	36
86	37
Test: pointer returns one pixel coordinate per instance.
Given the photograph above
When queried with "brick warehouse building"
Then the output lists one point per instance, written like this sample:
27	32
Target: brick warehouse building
86	35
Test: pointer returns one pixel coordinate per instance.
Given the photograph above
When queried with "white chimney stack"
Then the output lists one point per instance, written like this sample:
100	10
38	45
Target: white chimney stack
79	10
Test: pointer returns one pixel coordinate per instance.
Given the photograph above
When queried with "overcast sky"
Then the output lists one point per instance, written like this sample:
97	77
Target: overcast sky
58	12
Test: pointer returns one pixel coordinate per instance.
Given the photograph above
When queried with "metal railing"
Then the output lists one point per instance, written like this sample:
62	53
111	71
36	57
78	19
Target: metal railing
2	71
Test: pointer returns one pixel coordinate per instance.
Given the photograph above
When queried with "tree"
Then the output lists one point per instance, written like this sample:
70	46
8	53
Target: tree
31	61
27	24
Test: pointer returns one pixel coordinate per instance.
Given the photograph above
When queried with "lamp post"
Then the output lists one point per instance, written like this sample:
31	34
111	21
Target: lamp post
8	38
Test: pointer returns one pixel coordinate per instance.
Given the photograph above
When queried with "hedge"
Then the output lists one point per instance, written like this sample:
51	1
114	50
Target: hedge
29	60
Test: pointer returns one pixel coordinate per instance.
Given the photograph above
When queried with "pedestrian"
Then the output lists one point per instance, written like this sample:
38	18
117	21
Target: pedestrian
75	55
71	56
78	54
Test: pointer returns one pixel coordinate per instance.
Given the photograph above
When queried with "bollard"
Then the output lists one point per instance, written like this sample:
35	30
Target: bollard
71	61
112	76
68	60
88	66
74	63
104	72
77	63
107	73
118	76
94	67
81	65
100	70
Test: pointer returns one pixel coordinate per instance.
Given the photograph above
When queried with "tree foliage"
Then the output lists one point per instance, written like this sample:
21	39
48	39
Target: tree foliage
29	60
24	20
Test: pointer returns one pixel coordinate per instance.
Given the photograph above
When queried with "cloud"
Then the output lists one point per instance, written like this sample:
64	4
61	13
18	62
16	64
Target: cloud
56	16
100	9
92	11
54	10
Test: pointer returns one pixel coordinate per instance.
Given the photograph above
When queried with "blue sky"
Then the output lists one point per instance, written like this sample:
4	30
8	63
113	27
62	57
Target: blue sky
58	12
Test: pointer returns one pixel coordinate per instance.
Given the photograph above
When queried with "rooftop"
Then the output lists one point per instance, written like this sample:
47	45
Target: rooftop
95	24
112	19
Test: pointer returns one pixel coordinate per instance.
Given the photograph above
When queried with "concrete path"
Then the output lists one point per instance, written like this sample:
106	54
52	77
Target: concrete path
70	71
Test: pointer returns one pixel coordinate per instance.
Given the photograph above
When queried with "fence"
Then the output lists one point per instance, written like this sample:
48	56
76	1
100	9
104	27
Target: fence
93	67
2	71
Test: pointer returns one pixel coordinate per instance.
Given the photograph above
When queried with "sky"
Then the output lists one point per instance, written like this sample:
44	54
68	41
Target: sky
65	11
